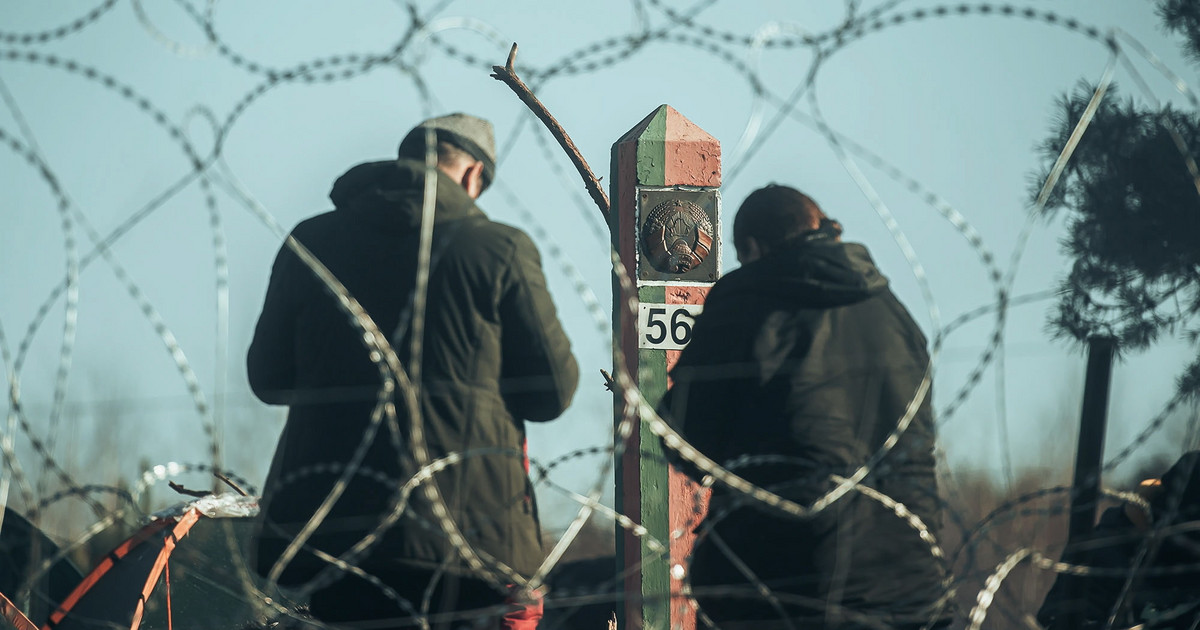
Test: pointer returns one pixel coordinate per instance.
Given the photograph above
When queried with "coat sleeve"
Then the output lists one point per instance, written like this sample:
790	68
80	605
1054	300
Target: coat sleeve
539	374
270	362
1114	545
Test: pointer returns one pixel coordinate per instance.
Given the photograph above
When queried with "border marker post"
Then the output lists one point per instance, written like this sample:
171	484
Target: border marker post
665	223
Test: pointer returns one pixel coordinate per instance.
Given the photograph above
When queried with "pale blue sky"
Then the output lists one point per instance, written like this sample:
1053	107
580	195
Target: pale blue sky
956	102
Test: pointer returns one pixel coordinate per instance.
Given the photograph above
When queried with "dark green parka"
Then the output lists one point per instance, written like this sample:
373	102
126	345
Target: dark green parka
495	355
800	366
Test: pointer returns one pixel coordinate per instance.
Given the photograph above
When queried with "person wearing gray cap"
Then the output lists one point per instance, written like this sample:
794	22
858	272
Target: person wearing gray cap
493	355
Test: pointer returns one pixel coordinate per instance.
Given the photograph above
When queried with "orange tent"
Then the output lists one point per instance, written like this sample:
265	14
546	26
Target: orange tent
181	571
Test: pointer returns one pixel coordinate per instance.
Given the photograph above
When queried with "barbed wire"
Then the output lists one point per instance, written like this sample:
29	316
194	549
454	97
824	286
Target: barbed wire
70	28
399	391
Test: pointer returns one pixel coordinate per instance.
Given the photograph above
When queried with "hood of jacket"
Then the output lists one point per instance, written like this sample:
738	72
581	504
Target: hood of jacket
819	274
390	194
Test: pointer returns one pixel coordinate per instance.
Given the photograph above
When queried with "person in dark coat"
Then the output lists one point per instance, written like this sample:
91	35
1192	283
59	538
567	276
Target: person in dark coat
800	367
1144	563
493	355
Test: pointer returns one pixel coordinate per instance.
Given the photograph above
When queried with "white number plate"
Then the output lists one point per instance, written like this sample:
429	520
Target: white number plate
666	326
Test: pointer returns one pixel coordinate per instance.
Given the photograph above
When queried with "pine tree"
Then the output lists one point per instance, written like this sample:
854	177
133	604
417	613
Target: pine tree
1132	194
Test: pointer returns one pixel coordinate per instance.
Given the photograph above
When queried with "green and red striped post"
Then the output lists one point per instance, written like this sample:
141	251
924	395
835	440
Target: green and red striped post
665	200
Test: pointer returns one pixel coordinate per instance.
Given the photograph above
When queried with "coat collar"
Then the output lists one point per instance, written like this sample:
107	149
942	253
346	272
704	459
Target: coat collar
390	194
822	275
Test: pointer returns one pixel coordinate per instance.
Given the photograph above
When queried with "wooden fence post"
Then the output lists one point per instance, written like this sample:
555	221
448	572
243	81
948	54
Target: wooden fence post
665	224
1089	457
1089	450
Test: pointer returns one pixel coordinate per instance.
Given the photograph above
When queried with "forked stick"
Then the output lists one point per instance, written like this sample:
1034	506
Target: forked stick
509	76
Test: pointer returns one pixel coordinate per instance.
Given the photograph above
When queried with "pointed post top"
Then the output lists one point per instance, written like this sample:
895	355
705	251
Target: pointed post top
674	151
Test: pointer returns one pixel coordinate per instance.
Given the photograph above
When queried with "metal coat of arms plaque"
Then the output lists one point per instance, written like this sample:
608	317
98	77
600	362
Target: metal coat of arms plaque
677	235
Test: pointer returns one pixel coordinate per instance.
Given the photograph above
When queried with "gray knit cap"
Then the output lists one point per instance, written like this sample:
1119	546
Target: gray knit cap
471	134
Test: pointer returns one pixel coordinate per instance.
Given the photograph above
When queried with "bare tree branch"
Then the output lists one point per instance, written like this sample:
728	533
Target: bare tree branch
184	491
609	383
509	77
229	482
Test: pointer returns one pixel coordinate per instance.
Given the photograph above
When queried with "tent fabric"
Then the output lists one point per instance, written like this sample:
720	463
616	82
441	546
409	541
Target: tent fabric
23	544
114	594
154	580
15	619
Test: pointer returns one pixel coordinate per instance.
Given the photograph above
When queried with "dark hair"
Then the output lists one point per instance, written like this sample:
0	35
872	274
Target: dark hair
775	214
448	154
